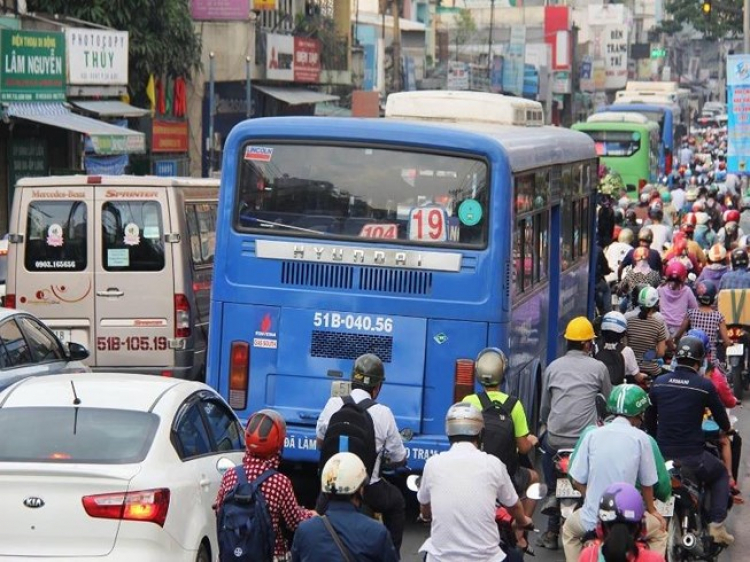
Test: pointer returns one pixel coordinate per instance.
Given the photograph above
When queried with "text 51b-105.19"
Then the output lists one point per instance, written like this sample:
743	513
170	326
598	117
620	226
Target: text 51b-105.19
132	343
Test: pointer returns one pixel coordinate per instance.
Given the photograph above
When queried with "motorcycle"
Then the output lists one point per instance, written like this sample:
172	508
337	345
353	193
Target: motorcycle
738	358
503	519
687	527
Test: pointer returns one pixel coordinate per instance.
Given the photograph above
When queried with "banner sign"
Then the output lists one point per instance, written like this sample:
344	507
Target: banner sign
220	9
738	123
614	45
97	56
458	75
169	136
32	66
279	57
513	65
306	60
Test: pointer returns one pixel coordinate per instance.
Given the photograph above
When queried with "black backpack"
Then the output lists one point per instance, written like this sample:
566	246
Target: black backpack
614	361
243	522
351	429
499	437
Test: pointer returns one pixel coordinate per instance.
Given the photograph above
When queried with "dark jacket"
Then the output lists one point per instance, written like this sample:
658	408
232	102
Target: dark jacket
367	539
679	401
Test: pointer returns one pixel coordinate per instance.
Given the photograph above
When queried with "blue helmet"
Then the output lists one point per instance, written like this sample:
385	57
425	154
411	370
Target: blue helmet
701	335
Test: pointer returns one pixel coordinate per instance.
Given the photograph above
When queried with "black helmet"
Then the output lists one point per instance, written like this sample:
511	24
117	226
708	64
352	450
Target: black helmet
368	370
705	291
739	259
645	235
690	348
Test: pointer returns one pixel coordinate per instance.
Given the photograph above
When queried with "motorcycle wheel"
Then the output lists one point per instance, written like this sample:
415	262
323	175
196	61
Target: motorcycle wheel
674	533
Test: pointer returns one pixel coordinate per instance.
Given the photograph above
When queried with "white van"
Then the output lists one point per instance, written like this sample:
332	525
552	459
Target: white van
120	264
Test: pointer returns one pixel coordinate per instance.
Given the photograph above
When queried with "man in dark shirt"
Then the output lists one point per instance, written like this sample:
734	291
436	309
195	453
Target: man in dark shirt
679	401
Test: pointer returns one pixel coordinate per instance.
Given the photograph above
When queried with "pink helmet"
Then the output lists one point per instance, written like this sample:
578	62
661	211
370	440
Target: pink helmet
675	271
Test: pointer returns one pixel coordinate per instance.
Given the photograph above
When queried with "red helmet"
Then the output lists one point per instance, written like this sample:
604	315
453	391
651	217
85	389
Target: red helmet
688	222
675	271
265	433
732	215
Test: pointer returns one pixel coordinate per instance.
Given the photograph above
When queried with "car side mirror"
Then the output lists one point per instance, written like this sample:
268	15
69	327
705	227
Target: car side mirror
77	352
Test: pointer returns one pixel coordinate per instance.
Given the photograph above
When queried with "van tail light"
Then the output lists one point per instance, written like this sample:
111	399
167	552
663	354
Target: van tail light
239	374
668	162
464	379
641	184
148	505
9	301
181	316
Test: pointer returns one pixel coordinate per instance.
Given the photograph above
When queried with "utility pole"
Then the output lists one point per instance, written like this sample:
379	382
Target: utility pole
396	45
489	41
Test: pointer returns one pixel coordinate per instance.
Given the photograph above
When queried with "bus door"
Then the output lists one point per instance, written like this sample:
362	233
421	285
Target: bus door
134	288
53	262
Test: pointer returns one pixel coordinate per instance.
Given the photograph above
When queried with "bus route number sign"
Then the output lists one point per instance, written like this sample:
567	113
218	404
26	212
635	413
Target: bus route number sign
428	224
387	231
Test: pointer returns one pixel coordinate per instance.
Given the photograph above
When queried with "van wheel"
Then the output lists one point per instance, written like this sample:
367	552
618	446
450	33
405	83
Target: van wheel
203	555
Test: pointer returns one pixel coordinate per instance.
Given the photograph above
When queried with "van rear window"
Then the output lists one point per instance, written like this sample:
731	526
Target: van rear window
56	236
132	236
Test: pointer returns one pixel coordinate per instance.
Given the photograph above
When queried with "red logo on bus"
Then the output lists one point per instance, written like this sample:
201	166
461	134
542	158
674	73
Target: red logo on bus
265	324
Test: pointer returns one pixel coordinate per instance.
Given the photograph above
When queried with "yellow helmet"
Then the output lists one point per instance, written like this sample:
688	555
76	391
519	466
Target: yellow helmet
579	329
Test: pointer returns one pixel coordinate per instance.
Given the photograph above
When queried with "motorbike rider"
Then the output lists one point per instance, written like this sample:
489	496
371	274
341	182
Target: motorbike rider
739	277
367	377
640	274
717	265
458	494
675	297
619	528
489	369
645	238
622	369
679	400
592	469
647	334
569	388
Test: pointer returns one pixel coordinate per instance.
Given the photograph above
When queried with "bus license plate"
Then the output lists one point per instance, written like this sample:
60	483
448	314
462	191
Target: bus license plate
339	389
735	350
564	489
63	335
665	509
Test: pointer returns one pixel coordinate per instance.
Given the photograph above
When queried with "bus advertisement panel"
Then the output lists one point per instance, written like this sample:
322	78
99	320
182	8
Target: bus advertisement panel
339	237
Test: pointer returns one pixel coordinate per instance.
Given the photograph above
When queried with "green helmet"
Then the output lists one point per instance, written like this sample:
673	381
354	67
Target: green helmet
628	400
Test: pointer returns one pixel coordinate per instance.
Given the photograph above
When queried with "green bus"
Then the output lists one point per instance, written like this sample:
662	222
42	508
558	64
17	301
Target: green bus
627	143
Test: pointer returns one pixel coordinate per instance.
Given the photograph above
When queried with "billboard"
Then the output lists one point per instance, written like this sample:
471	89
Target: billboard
97	56
738	124
220	9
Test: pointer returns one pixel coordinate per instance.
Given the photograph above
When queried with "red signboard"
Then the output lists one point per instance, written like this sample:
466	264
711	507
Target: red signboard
169	136
556	20
306	60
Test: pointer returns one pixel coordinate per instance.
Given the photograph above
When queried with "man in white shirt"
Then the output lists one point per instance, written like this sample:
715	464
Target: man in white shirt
380	495
458	493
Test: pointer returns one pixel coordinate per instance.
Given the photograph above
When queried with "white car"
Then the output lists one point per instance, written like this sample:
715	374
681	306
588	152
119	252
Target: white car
112	467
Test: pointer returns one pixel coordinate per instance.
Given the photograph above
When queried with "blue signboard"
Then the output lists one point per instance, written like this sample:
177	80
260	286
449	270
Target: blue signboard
738	123
165	168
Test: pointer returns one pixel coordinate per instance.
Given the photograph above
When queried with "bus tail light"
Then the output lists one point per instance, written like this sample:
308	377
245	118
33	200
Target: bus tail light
239	374
668	162
149	505
641	184
464	379
181	316
9	301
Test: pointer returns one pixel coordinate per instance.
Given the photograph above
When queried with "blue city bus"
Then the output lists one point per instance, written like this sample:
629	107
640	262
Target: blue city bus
420	242
664	116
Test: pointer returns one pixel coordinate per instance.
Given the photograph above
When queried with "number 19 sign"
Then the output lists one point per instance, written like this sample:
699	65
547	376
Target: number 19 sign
428	224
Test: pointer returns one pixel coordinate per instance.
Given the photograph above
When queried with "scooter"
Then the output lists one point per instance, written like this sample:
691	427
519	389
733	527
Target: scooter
738	358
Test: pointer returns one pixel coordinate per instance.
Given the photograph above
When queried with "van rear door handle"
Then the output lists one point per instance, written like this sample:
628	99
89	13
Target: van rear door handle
111	292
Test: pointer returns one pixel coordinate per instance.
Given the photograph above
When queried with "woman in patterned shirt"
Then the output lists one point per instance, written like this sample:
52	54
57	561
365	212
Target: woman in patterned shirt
264	438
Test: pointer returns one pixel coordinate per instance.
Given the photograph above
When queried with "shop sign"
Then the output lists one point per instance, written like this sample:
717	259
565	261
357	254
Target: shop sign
220	9
306	60
614	42
738	125
118	144
97	56
263	5
561	83
165	168
26	158
32	66
169	136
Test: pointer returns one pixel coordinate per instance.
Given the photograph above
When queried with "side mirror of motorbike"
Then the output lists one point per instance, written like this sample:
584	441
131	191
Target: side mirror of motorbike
413	481
407	434
536	491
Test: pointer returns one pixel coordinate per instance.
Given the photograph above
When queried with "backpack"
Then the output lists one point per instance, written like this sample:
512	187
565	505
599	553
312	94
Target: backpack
243	522
614	361
499	431
351	429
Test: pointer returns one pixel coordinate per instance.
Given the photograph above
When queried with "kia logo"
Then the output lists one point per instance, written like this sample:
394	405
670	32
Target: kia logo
33	502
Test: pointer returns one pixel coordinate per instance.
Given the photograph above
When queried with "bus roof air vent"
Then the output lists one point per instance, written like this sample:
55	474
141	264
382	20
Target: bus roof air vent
460	106
618	117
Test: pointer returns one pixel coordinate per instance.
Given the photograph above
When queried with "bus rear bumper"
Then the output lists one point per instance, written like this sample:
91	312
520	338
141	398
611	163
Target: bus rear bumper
300	446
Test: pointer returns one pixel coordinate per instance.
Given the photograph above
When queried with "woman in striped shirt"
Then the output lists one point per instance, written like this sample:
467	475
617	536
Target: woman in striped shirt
647	336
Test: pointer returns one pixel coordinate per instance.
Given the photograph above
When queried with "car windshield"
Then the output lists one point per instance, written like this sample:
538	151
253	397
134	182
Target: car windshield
75	435
363	192
616	143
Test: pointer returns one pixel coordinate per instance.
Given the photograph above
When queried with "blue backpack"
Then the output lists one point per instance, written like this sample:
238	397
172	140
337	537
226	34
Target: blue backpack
244	526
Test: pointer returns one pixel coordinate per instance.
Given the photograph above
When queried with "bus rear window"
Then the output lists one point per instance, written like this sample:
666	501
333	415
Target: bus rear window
368	193
75	435
616	143
132	236
56	236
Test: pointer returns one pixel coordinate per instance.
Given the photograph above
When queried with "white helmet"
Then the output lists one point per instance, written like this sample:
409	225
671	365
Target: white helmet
343	474
490	366
614	322
463	419
648	297
702	217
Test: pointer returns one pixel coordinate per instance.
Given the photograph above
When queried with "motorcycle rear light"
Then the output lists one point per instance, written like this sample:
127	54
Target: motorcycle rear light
9	301
463	384
735	333
148	505
562	464
239	374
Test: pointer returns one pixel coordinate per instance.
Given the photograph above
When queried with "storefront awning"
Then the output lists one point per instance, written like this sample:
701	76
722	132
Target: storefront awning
105	138
111	108
295	96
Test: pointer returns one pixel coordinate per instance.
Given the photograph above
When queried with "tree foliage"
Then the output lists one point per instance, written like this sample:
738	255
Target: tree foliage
162	38
724	22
